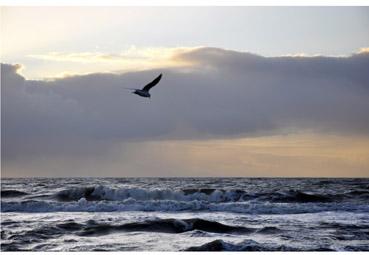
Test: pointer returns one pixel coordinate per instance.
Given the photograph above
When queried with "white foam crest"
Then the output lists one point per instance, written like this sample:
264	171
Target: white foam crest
120	194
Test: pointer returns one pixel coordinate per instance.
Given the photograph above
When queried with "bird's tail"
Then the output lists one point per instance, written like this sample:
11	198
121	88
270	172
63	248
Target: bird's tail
130	88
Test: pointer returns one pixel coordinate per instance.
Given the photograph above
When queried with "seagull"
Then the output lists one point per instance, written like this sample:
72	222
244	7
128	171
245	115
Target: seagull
145	91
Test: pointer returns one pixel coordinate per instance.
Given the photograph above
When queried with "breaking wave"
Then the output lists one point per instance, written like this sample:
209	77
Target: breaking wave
106	193
101	192
102	198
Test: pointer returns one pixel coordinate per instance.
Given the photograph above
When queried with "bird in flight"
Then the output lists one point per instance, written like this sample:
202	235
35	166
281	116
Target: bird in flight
145	91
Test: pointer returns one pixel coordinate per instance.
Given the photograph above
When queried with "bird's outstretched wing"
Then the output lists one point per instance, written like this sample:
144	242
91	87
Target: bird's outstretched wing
152	84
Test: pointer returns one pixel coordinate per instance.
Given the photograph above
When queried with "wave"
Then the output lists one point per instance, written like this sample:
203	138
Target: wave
93	228
163	226
347	232
102	198
248	245
100	192
12	193
357	248
250	207
301	197
269	230
106	193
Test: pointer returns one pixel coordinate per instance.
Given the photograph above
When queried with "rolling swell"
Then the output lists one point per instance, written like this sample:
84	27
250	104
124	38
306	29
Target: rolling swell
162	226
12	193
93	228
176	206
248	245
295	196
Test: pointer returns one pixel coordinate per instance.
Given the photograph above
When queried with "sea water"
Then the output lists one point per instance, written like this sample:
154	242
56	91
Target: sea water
179	214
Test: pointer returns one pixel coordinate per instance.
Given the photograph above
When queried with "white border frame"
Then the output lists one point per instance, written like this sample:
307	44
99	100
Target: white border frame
184	3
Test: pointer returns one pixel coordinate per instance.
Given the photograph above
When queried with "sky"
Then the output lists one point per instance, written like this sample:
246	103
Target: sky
246	91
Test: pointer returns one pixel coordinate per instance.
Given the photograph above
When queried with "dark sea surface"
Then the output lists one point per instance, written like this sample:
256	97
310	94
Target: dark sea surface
178	214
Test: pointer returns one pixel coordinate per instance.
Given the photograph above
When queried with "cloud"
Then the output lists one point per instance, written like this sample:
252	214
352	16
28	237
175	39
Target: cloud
364	50
223	94
132	53
133	58
83	57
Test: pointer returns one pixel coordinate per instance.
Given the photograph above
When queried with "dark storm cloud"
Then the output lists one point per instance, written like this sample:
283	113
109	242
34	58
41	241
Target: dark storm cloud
224	93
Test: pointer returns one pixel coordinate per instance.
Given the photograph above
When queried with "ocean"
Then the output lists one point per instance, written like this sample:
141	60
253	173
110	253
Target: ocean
184	214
